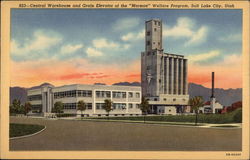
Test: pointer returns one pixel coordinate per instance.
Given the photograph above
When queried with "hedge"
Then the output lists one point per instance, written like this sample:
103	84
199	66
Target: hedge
65	115
232	117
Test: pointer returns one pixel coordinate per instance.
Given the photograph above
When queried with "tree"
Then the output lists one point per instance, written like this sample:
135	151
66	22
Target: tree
144	106
58	107
195	103
81	106
27	107
16	107
236	105
107	106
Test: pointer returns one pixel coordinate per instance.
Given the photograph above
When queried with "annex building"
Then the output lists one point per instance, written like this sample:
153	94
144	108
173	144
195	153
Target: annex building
126	99
163	75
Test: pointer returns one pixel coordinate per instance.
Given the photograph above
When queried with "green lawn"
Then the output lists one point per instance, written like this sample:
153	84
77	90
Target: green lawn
17	130
232	117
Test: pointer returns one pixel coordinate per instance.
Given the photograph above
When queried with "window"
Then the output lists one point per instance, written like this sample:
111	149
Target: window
88	93
35	97
79	93
119	94
72	93
148	53
137	95
155	23
89	106
164	99
170	110
137	106
69	106
103	94
155	29
119	106
148	33
84	93
174	99
99	105
130	105
123	94
130	94
159	23
148	43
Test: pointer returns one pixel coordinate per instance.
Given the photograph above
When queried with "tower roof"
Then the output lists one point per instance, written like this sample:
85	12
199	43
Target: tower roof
154	19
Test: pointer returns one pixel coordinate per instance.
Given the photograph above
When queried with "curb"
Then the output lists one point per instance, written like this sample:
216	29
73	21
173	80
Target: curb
29	135
167	124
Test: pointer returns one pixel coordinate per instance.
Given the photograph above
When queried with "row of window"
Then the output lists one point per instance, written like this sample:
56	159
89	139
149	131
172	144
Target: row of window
87	93
115	94
74	106
119	106
103	94
148	43
156	22
89	106
36	106
35	97
73	93
119	94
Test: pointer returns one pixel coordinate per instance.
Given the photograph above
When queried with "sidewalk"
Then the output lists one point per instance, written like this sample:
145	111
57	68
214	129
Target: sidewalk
184	124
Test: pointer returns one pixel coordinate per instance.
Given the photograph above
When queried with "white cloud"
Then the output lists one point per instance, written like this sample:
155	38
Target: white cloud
203	56
104	43
92	52
15	47
185	28
134	36
231	38
68	49
232	59
199	37
126	23
40	41
181	29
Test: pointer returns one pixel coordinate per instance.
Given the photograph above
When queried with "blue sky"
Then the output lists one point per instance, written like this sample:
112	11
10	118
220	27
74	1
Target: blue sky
112	36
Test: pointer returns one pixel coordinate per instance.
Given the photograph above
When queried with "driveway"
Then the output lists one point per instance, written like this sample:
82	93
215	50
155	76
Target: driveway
106	136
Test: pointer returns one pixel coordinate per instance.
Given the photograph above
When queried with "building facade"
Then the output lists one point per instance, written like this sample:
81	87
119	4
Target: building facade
126	99
163	75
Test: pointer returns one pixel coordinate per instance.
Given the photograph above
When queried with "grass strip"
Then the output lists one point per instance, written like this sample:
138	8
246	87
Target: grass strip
17	129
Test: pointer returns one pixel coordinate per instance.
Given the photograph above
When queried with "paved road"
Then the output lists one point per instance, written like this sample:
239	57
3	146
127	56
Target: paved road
83	135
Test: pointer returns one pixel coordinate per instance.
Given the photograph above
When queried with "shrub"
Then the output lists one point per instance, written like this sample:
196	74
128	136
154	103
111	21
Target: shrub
66	115
237	115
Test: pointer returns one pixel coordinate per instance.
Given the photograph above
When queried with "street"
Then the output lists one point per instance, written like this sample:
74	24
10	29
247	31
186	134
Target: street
105	136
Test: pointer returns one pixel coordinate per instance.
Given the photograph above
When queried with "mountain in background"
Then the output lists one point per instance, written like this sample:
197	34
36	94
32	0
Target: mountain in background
18	93
224	96
99	84
21	92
